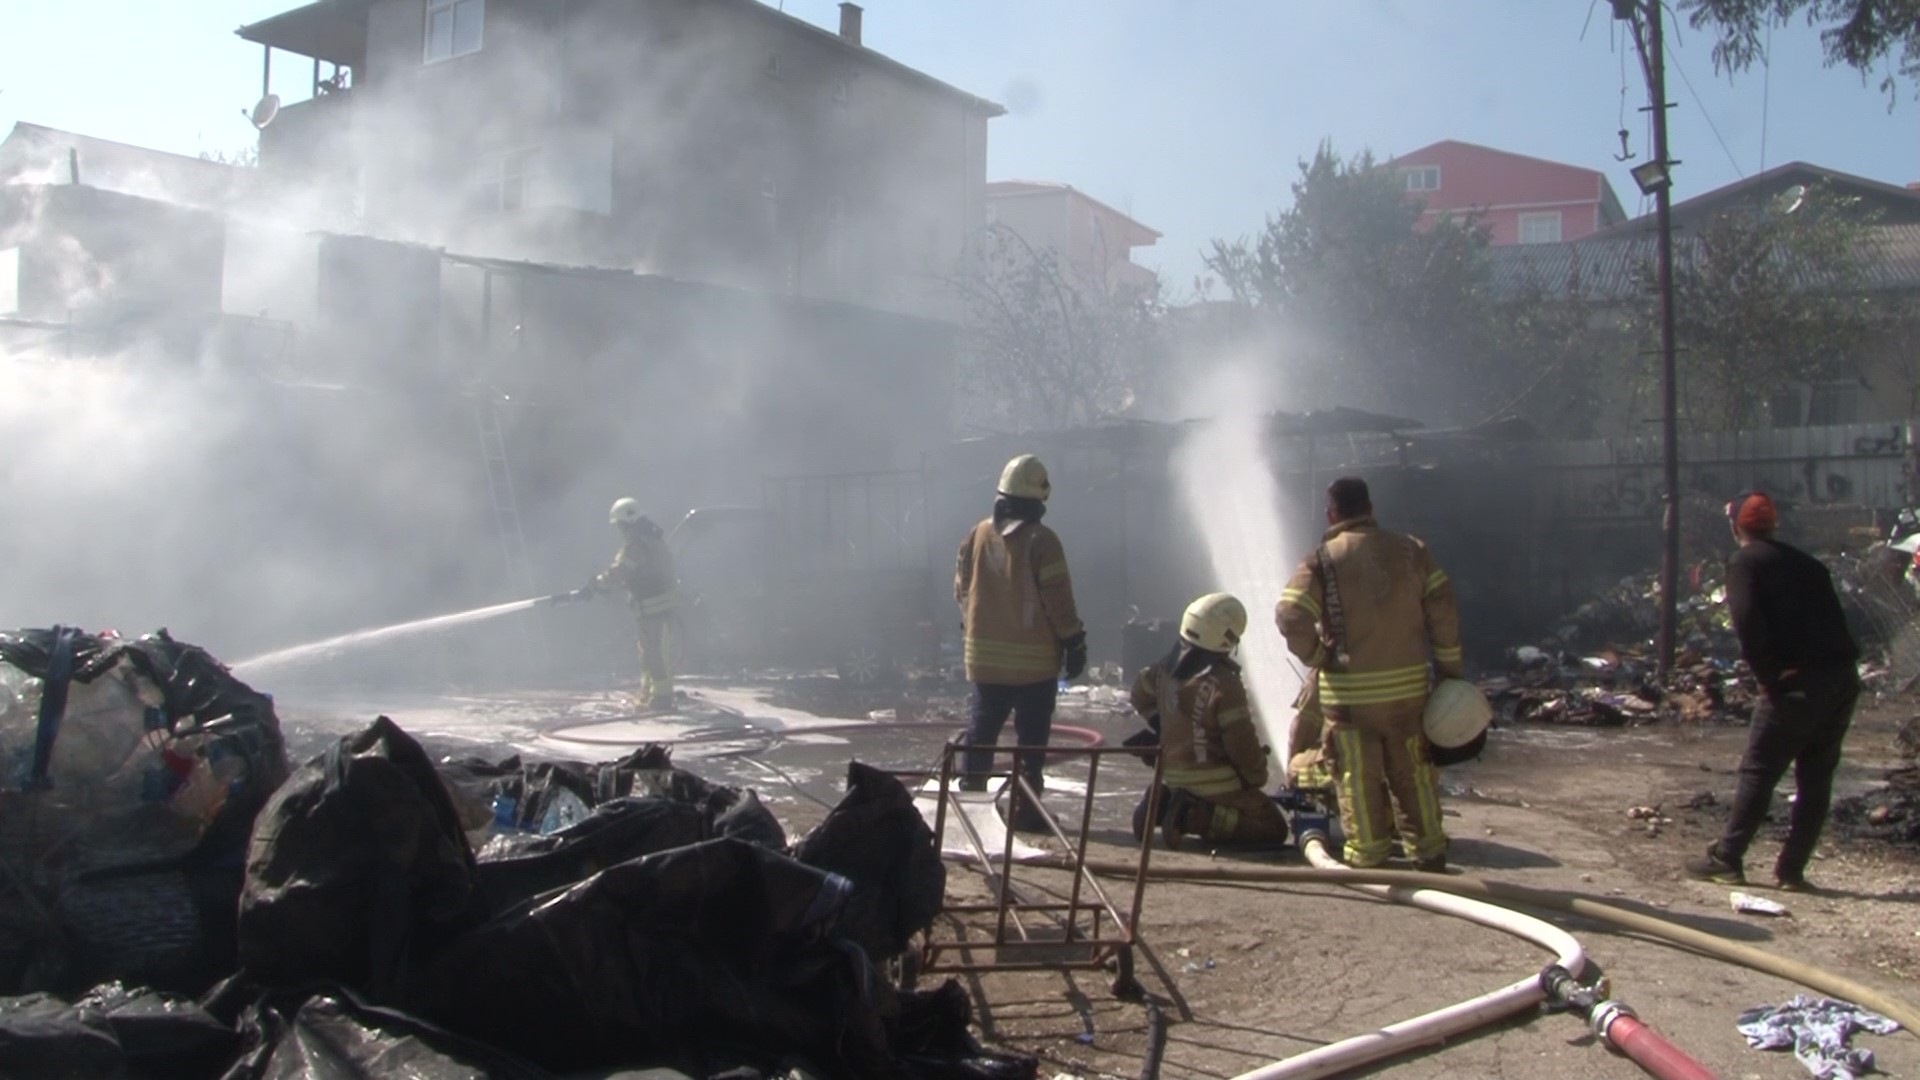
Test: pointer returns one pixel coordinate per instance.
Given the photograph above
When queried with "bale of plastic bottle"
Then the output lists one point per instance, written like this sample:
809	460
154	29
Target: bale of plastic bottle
130	772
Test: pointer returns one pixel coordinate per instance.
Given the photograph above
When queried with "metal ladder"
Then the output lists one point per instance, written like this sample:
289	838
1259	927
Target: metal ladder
506	517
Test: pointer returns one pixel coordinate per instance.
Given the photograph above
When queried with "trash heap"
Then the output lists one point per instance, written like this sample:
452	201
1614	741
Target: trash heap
1891	812
1597	667
337	920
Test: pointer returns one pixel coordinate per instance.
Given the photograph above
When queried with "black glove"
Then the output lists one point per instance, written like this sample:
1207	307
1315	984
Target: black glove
1140	741
1074	664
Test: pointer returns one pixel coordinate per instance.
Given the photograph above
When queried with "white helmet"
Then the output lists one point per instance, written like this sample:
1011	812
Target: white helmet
1215	622
1457	712
1025	478
624	512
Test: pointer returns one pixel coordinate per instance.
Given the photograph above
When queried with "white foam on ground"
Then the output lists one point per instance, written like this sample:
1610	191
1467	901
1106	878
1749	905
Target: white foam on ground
979	809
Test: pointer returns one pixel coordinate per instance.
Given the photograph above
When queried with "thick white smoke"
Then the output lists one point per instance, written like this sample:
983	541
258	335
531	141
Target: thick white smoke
1228	486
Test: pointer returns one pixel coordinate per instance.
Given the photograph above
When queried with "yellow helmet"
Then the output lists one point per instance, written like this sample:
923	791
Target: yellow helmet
1025	478
1215	622
624	512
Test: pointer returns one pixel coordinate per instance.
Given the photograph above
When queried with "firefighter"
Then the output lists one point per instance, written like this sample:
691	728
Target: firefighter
1367	611
1021	627
1215	767
643	568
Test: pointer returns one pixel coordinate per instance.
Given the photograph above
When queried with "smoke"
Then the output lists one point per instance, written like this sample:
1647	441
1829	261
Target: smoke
315	466
1227	485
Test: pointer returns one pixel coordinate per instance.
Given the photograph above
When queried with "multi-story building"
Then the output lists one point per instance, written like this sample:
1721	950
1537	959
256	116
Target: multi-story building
717	140
1093	241
1520	199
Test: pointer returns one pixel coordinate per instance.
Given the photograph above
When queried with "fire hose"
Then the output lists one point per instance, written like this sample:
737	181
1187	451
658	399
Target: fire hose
1813	978
1440	1024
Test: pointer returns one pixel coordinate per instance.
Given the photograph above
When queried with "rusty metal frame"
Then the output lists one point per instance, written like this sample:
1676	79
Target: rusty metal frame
1101	943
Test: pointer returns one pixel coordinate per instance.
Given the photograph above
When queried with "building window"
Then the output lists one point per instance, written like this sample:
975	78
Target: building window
454	28
503	181
1424	178
773	65
1540	228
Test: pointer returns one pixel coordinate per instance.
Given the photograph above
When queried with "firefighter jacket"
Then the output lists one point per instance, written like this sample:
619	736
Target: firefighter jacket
1208	739
1016	601
644	569
1398	611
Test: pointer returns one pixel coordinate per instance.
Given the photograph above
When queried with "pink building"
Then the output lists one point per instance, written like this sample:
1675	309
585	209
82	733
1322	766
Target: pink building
1092	240
1523	200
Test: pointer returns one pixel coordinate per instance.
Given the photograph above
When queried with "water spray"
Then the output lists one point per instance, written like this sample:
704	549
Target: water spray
329	648
1227	483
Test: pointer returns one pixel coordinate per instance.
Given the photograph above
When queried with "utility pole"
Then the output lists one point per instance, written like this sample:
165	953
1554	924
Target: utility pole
1655	178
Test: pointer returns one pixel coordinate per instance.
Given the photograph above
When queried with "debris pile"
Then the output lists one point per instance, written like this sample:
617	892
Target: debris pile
623	915
1613	687
1891	812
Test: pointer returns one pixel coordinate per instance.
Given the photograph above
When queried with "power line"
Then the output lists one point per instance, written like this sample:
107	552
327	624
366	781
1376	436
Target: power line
1711	126
1766	93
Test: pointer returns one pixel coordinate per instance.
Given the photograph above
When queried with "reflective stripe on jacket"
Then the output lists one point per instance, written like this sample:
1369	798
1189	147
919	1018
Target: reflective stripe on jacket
1208	738
1399	613
1016	600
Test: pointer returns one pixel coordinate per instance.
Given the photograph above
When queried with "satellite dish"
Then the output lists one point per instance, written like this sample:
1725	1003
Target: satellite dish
1790	200
265	110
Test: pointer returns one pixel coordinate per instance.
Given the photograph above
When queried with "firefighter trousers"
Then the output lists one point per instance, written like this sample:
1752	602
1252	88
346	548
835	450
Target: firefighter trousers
1247	816
1385	782
656	665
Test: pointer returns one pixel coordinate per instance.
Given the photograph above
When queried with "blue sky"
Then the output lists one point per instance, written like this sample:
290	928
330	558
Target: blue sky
1188	114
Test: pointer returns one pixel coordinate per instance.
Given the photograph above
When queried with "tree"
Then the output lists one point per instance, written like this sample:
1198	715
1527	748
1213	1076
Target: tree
1373	311
1049	347
1767	300
1862	34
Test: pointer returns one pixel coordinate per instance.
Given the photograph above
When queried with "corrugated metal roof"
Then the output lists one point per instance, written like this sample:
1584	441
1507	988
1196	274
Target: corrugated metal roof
1605	270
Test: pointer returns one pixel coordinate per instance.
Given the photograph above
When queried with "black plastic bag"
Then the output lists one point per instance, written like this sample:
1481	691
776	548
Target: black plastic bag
614	833
111	1032
357	867
691	958
877	839
332	1034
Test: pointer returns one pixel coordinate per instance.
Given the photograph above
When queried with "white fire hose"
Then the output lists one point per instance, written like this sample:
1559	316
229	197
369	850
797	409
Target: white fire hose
1440	1024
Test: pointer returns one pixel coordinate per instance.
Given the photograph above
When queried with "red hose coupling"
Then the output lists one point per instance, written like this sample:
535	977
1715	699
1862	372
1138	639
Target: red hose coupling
1616	1024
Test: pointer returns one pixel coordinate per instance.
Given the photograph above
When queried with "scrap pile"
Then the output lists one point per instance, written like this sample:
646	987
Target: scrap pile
1891	812
1597	667
174	901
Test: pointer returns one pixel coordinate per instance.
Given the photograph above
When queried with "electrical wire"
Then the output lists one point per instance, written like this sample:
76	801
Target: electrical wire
1766	93
1673	61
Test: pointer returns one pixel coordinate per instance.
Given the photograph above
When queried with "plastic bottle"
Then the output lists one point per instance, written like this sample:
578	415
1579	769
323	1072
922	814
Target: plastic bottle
505	812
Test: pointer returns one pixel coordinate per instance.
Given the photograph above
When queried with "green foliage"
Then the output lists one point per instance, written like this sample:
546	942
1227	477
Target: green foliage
1862	34
1383	314
1765	300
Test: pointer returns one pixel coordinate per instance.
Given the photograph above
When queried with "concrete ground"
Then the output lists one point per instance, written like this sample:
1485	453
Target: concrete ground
1251	974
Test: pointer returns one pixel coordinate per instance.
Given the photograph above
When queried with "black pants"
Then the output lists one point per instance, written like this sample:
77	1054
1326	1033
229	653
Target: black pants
1030	705
1801	725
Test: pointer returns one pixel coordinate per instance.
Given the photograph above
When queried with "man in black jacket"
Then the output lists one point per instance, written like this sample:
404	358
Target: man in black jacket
1794	636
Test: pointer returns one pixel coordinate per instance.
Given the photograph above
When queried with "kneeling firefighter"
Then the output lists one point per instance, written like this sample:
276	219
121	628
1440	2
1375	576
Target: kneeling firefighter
1215	767
643	569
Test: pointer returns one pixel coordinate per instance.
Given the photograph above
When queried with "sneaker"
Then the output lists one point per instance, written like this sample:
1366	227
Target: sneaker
1795	884
1710	867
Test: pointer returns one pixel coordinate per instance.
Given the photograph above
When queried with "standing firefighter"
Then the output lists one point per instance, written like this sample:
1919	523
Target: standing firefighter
1022	631
644	569
1215	766
1366	610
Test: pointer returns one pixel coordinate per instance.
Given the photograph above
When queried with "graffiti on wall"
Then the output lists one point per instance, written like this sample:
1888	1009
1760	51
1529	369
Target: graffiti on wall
1872	466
